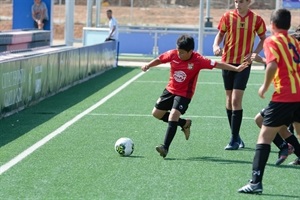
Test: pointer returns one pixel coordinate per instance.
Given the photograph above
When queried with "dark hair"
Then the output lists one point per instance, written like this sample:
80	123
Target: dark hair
281	18
110	11
297	33
186	43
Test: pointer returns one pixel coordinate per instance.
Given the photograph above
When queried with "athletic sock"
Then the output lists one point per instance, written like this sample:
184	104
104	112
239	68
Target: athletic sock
294	141
291	128
279	142
236	121
260	159
181	122
170	133
229	114
165	118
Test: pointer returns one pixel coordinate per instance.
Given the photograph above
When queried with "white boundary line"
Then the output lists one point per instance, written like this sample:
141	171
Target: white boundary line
46	139
141	115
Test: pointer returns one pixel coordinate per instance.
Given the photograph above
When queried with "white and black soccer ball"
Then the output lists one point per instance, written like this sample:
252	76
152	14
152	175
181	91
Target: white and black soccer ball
124	146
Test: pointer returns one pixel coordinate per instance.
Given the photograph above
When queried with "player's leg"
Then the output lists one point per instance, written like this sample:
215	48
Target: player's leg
228	77
272	124
293	140
180	105
278	141
238	86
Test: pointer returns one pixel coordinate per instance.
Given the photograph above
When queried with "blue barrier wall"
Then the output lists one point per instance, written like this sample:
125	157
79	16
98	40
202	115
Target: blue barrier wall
22	18
37	75
153	41
143	43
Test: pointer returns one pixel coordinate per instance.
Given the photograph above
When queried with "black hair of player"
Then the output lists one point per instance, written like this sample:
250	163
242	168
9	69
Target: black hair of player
186	43
281	18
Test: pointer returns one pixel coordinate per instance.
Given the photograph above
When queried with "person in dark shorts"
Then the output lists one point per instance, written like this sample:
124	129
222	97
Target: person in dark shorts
174	101
238	28
39	14
282	53
284	147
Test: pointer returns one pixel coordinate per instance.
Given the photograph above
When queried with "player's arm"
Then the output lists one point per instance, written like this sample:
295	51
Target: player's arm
229	67
216	46
258	58
112	31
269	75
259	47
152	63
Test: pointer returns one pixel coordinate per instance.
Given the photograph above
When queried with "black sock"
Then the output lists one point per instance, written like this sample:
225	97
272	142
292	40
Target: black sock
294	141
165	118
260	159
279	142
181	122
236	121
291	128
171	131
229	114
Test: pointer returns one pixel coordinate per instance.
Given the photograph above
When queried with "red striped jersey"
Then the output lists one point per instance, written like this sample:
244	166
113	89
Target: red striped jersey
285	51
184	73
240	33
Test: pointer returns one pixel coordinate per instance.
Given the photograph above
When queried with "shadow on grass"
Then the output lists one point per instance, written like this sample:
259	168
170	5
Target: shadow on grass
227	161
18	124
280	195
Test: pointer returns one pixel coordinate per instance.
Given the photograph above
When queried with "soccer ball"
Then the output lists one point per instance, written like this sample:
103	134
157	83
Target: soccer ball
124	146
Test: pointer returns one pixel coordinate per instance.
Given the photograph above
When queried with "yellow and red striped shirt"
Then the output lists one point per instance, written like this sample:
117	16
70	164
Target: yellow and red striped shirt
285	51
240	33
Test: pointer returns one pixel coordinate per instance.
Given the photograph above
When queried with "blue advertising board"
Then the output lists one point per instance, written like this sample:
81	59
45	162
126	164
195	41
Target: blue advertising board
22	18
291	4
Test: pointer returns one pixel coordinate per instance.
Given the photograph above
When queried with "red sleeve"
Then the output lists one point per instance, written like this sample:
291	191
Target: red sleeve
167	56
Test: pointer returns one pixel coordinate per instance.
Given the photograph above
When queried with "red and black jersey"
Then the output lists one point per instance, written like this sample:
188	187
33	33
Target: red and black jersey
240	33
285	51
184	73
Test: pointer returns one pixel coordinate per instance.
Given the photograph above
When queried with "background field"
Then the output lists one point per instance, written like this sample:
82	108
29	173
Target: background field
80	162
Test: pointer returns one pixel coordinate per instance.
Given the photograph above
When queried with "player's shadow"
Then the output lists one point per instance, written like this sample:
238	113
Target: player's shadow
280	195
227	161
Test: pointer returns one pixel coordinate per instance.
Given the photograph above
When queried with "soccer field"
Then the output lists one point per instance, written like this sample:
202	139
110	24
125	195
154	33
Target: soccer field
63	147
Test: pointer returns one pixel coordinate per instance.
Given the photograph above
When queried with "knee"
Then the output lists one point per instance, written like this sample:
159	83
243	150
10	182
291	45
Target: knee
156	114
258	120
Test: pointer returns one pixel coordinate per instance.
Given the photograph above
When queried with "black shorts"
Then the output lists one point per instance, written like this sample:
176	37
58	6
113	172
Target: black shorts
278	114
167	101
236	80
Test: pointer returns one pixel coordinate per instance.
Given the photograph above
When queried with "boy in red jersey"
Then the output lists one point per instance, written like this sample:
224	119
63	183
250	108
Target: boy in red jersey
283	63
287	131
174	101
238	28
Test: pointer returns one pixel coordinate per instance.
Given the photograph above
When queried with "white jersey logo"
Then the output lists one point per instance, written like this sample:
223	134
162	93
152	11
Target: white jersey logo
179	76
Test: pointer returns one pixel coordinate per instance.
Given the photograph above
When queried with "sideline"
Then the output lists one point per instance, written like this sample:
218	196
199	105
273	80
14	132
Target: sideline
47	138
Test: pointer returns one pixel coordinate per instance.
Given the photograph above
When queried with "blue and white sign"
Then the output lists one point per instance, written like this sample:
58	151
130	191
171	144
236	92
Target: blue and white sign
292	4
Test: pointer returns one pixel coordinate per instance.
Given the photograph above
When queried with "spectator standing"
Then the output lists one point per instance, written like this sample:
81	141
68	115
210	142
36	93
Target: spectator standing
113	27
39	14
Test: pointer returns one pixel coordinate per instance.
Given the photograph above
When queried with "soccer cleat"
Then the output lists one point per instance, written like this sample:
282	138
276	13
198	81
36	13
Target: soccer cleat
251	188
232	146
186	129
162	150
282	155
295	162
242	144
